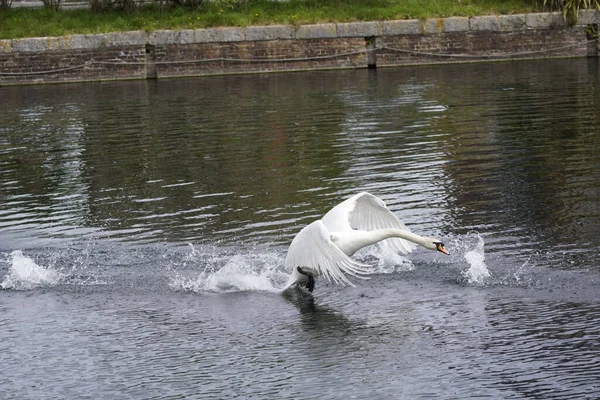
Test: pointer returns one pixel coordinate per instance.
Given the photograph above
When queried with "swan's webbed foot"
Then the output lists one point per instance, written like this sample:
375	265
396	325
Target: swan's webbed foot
310	283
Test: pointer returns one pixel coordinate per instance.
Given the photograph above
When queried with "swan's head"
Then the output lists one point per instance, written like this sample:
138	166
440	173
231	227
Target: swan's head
435	244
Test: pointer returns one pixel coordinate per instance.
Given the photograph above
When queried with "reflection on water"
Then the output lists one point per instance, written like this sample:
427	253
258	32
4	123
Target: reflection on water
318	320
511	153
143	228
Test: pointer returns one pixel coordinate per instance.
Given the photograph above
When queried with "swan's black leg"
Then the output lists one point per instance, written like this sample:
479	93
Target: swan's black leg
310	285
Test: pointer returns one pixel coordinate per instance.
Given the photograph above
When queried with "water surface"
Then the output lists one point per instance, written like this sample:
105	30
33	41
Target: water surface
143	228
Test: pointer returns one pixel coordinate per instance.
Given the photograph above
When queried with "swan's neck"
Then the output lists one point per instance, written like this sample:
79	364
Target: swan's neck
352	241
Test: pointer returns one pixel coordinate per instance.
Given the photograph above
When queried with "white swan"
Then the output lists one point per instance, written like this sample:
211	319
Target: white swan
325	246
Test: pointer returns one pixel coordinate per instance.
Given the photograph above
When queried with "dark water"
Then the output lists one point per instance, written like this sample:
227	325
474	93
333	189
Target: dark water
143	228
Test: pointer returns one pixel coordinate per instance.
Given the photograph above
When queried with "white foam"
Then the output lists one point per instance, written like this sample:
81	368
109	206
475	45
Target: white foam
388	261
255	270
25	274
478	272
241	272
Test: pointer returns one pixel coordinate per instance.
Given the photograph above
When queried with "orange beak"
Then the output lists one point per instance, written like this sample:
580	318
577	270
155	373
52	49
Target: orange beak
441	248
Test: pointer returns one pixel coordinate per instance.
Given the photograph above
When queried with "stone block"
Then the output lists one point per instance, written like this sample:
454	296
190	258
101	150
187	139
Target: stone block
558	20
320	31
499	23
513	22
215	35
544	20
132	38
57	43
6	46
270	32
433	25
186	36
359	29
92	41
29	45
402	27
485	23
456	24
587	17
163	37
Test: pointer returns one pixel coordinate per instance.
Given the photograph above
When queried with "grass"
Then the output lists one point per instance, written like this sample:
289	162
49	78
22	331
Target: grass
30	22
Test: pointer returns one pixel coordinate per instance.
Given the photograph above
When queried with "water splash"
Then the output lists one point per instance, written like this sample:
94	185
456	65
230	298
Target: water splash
256	270
384	260
25	274
478	272
523	275
241	272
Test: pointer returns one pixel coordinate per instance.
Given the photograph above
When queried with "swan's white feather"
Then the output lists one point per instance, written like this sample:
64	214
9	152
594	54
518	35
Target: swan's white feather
367	212
313	250
325	247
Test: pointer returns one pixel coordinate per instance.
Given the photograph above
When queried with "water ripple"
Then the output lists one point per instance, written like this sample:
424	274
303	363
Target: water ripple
105	186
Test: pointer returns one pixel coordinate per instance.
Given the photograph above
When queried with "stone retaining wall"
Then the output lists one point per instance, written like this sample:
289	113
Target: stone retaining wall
161	54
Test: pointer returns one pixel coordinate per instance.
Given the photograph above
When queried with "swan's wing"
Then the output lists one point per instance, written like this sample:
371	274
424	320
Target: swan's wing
338	218
313	249
370	213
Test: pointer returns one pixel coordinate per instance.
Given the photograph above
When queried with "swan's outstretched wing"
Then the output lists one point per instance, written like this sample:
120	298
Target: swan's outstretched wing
367	212
312	249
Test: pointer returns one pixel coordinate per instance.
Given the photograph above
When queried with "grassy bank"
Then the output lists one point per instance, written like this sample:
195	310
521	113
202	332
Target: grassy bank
28	22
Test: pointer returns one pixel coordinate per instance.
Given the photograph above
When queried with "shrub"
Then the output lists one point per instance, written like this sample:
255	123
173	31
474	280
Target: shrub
191	4
570	8
52	4
101	6
105	6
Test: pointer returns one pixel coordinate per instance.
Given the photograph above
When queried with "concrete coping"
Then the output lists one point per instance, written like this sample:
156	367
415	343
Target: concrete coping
499	23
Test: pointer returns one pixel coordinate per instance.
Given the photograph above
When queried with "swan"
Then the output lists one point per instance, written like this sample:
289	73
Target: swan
325	246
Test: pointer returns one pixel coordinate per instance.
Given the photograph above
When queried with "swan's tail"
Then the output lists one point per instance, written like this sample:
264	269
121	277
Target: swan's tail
289	284
292	281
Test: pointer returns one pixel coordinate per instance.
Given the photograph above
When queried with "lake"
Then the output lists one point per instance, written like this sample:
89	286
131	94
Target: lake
144	227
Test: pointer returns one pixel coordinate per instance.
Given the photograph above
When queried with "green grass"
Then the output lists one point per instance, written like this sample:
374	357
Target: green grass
28	22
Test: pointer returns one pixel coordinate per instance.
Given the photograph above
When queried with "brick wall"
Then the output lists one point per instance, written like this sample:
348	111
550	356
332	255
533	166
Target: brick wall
481	46
160	54
483	38
73	65
255	56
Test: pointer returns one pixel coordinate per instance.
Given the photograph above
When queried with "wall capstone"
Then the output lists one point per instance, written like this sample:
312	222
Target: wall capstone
456	24
402	27
320	31
270	32
130	55
359	29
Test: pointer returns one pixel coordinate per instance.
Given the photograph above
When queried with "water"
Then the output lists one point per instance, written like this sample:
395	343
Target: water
144	225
